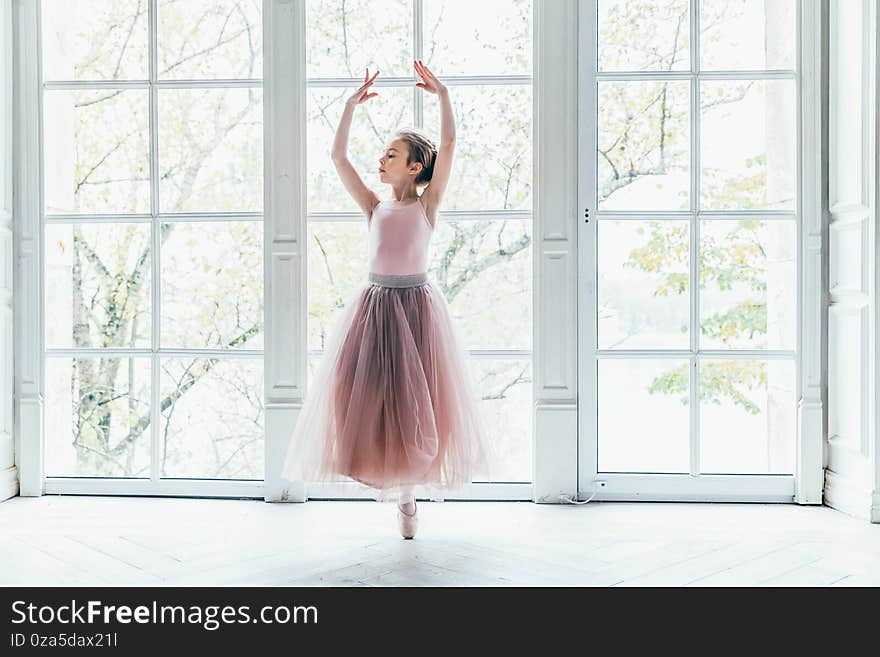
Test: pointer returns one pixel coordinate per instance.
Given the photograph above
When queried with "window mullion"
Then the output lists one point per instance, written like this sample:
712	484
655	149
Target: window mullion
154	236
694	260
392	81
418	48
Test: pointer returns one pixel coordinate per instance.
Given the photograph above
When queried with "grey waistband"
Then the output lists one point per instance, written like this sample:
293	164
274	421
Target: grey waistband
398	280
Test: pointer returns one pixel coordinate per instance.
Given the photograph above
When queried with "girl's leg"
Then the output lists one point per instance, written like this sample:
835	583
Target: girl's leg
407	501
407	522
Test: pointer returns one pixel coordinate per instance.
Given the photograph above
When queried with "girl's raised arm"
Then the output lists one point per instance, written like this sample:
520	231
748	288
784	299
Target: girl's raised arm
443	162
364	196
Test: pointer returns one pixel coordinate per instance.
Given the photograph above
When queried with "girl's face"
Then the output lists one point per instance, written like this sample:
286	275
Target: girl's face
392	165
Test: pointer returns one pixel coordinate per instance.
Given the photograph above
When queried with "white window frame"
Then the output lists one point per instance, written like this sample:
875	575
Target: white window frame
285	281
286	237
34	218
805	486
559	198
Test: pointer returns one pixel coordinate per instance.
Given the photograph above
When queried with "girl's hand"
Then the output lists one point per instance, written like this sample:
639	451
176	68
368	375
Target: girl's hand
430	82
361	94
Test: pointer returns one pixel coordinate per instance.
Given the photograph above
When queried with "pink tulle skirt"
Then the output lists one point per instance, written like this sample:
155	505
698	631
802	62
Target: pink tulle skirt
392	404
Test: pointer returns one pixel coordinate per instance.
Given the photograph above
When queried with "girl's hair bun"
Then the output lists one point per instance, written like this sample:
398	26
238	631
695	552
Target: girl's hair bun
421	149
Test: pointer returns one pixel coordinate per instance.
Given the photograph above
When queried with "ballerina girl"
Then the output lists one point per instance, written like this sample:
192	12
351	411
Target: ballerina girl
391	404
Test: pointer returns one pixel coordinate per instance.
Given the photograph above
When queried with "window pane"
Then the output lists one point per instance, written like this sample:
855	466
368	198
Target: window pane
212	418
483	269
96	151
492	169
337	261
344	37
747	416
372	129
212	285
748	285
94	39
644	145
490	37
748	152
97	417
210	39
747	34
654	439
644	35
643	284
98	285
505	388
211	150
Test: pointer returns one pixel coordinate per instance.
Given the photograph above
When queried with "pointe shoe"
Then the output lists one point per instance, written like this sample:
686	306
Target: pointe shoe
408	523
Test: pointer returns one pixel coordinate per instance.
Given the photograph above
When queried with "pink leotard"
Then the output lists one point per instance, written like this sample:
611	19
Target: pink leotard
399	239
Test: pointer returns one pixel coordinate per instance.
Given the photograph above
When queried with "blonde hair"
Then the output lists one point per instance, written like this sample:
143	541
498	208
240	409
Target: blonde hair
422	150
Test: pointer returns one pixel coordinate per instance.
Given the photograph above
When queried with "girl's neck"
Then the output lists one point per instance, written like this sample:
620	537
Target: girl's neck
403	195
406	200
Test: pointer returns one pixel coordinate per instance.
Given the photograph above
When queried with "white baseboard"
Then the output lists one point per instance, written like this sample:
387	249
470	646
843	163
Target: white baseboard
850	498
8	483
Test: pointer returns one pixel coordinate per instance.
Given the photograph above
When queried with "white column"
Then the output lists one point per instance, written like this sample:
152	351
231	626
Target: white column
28	370
286	314
809	473
556	212
8	471
874	429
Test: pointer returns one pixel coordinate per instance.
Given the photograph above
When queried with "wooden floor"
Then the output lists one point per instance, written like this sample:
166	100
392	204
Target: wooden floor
72	540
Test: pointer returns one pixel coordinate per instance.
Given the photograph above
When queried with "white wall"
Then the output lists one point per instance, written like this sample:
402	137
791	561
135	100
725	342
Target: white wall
851	478
8	474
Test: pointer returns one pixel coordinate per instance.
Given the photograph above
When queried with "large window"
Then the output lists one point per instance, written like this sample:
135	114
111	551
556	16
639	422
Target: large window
152	211
152	216
481	254
697	236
